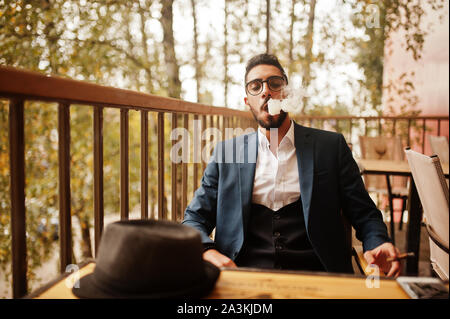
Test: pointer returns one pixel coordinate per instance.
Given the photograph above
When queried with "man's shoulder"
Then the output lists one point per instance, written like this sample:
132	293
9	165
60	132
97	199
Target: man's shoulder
318	132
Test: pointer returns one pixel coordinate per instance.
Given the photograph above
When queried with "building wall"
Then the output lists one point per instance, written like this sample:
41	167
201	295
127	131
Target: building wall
431	79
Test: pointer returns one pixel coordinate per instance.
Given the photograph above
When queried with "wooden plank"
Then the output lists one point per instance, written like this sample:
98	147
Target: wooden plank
196	151
245	283
203	144
98	176
17	180
144	164
124	164
257	284
184	171
65	224
174	194
161	208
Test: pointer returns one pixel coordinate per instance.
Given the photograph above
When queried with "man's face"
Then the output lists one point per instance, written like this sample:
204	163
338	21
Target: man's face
258	103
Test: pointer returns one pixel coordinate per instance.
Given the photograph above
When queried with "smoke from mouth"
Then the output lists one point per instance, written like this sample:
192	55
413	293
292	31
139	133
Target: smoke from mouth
292	102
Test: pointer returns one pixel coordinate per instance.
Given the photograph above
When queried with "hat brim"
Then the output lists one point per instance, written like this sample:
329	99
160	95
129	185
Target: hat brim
90	290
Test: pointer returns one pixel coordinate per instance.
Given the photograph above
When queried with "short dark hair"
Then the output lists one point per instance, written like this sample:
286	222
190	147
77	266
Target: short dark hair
264	58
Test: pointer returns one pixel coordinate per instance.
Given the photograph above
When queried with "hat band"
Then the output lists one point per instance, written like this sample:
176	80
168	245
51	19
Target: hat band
116	286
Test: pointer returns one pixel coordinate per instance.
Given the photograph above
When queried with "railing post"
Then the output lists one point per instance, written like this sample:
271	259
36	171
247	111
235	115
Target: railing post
161	208
184	169
124	164
409	134
423	136
98	175
196	150
17	175
65	224
174	194
203	141
144	164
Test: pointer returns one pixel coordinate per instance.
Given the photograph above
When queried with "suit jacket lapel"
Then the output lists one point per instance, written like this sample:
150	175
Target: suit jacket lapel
305	162
247	155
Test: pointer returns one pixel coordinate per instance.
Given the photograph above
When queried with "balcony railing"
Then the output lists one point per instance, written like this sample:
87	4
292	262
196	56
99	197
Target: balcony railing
18	86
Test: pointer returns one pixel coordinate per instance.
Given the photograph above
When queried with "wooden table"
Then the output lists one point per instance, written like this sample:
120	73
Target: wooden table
401	168
246	283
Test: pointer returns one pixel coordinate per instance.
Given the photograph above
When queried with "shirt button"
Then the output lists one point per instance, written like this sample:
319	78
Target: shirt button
276	216
279	247
276	234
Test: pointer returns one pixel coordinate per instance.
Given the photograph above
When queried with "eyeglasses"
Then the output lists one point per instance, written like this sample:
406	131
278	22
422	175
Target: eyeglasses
275	83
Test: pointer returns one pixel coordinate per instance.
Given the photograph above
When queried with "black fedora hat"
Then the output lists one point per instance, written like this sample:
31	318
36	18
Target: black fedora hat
149	259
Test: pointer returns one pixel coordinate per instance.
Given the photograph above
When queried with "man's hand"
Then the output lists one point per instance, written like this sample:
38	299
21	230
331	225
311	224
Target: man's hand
217	259
379	256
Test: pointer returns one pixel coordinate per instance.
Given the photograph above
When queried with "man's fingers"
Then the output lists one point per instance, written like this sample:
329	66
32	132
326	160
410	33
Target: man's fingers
217	259
395	269
369	257
230	263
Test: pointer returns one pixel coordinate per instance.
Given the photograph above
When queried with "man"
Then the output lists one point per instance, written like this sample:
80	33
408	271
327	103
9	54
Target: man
286	209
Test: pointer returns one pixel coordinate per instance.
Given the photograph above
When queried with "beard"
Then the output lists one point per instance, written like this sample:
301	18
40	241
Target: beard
272	121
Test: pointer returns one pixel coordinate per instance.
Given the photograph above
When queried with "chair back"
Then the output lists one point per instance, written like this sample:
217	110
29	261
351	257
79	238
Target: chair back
434	196
439	146
385	148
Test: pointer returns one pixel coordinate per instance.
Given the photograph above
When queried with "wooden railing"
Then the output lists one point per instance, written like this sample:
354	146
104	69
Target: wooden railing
18	86
407	126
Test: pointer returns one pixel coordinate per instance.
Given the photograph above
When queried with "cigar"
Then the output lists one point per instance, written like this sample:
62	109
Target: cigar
400	256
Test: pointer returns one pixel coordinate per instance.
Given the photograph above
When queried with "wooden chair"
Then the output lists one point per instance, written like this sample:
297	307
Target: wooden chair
386	148
434	196
439	146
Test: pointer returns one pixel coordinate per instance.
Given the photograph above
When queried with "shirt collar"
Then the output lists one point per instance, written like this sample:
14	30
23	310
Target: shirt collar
264	142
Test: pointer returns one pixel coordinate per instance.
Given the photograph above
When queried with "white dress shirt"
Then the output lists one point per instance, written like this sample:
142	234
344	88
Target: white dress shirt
276	181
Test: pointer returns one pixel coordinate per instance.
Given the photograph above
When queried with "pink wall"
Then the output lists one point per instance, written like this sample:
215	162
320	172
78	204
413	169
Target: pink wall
431	79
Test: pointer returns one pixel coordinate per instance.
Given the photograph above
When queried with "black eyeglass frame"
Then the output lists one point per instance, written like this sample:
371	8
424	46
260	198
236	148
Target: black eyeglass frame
267	81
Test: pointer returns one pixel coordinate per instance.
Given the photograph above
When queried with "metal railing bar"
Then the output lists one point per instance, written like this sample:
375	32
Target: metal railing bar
65	225
17	180
409	133
423	135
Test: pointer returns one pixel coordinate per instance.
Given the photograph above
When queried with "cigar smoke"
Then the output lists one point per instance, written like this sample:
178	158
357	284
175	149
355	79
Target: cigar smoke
291	103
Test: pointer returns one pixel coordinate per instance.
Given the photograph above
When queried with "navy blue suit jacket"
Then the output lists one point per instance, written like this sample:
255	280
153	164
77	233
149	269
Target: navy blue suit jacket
330	185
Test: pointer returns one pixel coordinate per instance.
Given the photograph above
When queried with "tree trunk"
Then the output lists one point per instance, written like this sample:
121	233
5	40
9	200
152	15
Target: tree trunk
268	26
145	47
197	64
86	246
291	67
225	53
308	52
174	84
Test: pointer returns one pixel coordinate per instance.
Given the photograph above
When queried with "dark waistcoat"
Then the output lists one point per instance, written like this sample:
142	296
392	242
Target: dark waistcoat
278	240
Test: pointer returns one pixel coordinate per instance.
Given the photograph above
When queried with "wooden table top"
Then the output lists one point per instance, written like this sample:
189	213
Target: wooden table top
246	283
371	166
